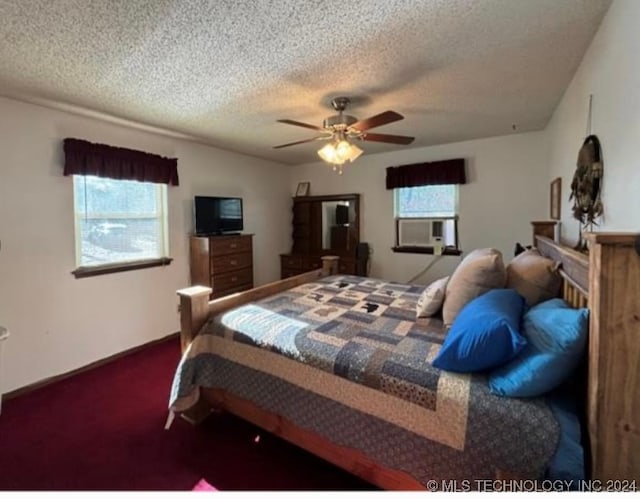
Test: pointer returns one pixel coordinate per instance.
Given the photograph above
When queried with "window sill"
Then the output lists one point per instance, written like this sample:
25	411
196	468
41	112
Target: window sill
425	250
120	267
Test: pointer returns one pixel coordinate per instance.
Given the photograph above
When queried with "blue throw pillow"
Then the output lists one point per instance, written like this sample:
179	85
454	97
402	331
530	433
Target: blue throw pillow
485	334
553	303
556	339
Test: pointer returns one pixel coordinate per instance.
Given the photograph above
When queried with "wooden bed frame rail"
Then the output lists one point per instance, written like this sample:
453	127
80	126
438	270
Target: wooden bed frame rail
607	281
349	459
195	307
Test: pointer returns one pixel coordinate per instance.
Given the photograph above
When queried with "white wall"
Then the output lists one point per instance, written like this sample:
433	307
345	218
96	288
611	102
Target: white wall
610	70
59	323
507	188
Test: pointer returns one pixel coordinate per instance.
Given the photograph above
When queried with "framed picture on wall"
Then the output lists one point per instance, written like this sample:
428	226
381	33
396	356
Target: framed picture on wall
554	198
303	189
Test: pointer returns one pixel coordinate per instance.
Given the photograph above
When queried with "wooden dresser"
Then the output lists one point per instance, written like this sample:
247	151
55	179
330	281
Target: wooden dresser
223	263
294	264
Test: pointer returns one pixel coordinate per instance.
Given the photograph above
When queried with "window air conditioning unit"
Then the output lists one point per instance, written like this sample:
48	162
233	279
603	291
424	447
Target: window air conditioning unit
420	232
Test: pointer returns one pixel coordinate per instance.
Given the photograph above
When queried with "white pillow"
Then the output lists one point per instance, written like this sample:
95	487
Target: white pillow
432	298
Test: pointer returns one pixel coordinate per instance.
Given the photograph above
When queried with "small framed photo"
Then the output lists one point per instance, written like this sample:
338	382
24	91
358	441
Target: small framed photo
554	198
303	189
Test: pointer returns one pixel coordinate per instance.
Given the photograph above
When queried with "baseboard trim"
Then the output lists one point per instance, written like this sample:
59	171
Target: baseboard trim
59	377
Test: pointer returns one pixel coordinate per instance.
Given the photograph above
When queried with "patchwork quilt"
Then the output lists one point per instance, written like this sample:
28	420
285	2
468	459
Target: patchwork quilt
345	353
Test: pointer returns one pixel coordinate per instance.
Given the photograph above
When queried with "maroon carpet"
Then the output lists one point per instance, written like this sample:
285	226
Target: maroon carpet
103	430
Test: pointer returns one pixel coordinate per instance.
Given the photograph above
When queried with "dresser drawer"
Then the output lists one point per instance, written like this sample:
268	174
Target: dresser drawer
226	245
346	267
228	280
291	262
230	262
312	264
230	291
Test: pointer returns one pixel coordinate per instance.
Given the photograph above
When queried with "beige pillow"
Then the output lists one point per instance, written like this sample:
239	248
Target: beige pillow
432	298
480	271
534	276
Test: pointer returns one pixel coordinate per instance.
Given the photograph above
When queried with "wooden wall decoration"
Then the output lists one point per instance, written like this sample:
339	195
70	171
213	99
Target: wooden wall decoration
586	187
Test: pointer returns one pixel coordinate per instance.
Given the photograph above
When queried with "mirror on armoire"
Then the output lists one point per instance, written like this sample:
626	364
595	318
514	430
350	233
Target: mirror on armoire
338	219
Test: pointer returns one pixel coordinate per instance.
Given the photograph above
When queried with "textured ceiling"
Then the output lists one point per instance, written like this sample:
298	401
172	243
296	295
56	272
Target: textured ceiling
224	70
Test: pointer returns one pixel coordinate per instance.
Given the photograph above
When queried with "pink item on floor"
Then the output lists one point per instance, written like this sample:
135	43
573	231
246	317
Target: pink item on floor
203	485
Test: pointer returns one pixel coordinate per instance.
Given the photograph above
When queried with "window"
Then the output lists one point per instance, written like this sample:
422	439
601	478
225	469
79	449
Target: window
426	201
426	218
119	223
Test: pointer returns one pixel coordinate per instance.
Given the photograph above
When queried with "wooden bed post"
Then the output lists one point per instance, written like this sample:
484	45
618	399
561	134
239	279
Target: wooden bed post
546	229
330	265
194	310
614	353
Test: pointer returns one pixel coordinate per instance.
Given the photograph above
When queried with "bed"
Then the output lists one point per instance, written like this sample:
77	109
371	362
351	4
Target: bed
339	366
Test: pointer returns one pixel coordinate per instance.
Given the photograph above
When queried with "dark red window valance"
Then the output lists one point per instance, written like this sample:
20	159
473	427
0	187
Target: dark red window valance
86	158
451	171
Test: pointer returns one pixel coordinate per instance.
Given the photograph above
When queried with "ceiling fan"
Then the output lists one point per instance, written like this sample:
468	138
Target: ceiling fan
342	128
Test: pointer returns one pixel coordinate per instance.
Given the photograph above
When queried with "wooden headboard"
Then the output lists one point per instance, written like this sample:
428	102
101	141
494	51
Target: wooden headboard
607	281
574	269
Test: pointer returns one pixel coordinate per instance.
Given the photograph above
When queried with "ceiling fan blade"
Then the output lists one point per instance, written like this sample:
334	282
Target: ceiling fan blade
299	123
392	139
377	120
298	142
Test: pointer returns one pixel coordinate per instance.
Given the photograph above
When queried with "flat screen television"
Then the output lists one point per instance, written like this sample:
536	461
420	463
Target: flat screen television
217	215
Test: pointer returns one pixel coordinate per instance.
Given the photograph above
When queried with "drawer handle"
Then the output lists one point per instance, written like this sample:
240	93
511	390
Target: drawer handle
233	262
233	245
234	279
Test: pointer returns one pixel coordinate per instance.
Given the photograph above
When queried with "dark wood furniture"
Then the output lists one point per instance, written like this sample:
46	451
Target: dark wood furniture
222	263
544	228
612	295
325	225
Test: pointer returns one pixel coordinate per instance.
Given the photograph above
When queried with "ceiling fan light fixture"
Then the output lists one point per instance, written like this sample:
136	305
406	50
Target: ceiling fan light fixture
354	152
329	154
343	148
338	153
